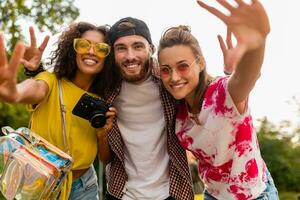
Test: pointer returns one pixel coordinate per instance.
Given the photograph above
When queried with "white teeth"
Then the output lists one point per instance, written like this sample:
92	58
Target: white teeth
177	86
131	66
89	61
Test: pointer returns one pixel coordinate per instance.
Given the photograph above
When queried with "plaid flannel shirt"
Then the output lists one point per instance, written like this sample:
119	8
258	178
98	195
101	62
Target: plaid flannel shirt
180	179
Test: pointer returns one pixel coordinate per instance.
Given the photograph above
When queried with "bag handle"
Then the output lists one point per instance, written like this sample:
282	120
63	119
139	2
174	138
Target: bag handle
23	132
6	130
26	133
63	118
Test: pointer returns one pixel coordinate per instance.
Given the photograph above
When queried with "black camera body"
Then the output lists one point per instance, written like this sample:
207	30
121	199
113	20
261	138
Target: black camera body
92	109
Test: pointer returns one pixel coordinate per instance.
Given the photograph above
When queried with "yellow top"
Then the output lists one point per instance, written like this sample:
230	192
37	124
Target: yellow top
46	121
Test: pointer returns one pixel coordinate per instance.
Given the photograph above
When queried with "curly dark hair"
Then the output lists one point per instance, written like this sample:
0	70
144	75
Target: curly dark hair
64	57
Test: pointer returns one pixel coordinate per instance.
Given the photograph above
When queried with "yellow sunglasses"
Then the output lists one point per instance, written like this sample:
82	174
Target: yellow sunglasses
82	46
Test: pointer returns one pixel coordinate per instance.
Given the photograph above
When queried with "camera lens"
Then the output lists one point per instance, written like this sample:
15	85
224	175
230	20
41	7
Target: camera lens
98	120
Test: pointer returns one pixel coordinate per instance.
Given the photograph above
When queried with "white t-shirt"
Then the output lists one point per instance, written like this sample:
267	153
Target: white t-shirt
225	144
141	122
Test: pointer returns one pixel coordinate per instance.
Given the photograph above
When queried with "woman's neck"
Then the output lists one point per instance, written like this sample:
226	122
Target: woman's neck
193	106
82	81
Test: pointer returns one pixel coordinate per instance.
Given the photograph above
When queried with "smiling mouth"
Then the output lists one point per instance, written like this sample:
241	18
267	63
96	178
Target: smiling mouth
131	65
177	86
90	61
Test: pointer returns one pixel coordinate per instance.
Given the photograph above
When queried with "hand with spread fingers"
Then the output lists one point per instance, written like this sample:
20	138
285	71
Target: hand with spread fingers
33	54
248	23
225	48
9	71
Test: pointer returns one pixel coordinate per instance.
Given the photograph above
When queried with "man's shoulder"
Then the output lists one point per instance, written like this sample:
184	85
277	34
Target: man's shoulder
111	93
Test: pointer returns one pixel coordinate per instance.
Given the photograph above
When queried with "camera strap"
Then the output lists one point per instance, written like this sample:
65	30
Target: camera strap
63	118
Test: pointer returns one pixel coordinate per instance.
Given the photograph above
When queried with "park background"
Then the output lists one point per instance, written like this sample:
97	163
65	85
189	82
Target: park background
274	101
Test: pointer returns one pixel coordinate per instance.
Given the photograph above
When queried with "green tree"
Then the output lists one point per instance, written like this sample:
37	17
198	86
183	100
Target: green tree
46	15
281	156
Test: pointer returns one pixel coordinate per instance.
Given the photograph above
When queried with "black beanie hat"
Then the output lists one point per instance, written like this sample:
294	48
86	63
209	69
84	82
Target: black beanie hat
135	27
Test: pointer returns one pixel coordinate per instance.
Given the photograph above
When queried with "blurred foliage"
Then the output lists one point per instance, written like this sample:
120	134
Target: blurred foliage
281	154
289	196
13	115
46	15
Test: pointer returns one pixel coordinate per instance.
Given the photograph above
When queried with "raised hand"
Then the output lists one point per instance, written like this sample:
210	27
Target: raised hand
33	54
248	22
9	71
225	48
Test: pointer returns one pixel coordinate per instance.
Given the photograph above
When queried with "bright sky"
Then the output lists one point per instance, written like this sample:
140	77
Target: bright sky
280	79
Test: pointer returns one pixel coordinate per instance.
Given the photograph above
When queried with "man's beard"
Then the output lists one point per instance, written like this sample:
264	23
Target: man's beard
143	75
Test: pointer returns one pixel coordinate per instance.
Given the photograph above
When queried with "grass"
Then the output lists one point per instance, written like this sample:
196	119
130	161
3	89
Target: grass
288	195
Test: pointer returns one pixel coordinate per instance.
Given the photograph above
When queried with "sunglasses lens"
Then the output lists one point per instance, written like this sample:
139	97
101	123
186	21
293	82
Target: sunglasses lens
102	50
164	71
183	68
81	46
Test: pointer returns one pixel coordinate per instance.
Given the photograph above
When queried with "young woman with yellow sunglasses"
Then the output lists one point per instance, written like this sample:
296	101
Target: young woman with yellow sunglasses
81	66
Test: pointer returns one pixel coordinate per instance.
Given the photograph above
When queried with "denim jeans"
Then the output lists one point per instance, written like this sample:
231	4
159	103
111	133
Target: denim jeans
85	187
270	193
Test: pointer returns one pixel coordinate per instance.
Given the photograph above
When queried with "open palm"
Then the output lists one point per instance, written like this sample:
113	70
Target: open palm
9	70
248	23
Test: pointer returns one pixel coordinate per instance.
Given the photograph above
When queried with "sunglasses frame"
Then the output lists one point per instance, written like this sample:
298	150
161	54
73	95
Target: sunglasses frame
93	45
168	76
